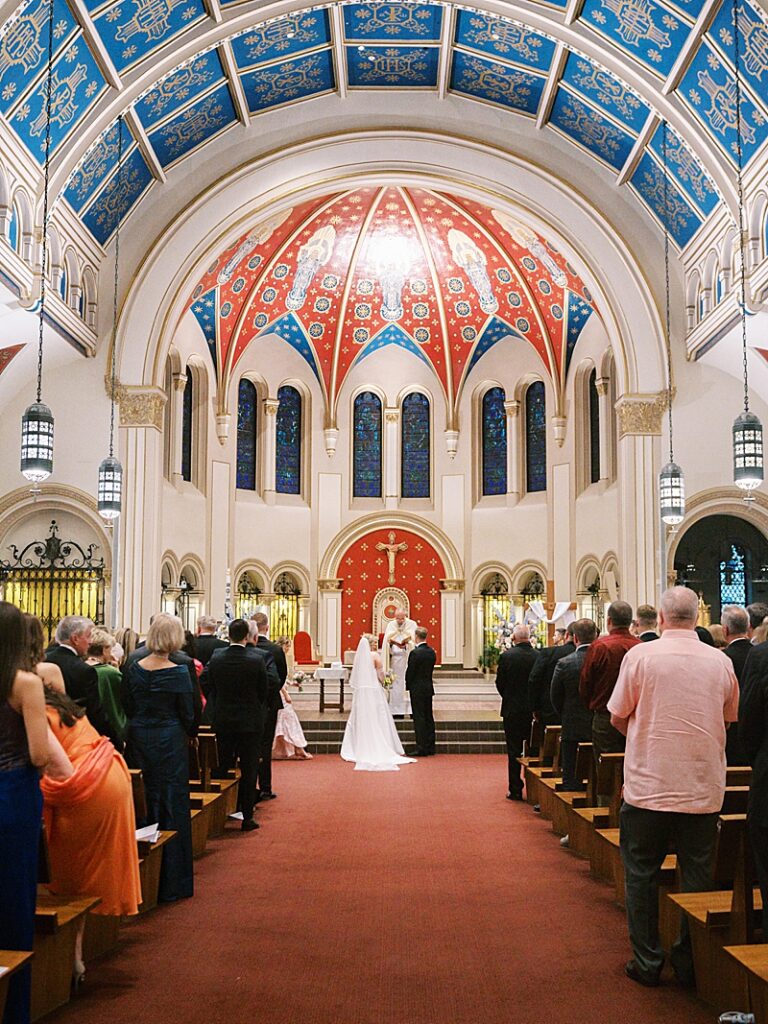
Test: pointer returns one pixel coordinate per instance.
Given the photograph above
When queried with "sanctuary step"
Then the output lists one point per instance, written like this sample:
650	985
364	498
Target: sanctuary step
468	691
452	737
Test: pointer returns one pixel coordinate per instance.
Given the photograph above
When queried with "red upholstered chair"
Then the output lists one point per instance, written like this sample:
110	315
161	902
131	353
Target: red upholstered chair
302	650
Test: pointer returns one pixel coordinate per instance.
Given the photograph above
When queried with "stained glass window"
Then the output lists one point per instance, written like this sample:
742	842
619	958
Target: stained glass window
63	284
415	446
535	438
733	577
288	451
494	429
13	228
594	429
366	471
247	415
186	428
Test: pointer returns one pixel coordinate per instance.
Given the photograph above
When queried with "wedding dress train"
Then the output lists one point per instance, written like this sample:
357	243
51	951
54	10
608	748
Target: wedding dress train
370	738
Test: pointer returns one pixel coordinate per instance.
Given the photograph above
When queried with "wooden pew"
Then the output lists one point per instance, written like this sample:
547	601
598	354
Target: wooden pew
11	960
226	804
541	767
150	863
723	917
751	963
56	923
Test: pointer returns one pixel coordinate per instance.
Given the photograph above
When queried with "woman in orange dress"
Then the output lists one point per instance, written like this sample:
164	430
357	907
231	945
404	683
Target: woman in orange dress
89	818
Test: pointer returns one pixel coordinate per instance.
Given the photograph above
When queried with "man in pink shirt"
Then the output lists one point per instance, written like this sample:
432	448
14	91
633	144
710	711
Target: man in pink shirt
672	700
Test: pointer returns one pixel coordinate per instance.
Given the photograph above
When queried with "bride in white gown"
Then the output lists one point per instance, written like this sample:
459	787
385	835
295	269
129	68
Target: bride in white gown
370	738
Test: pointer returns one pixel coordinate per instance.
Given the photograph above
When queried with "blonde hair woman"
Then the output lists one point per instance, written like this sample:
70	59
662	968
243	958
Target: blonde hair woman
110	683
158	701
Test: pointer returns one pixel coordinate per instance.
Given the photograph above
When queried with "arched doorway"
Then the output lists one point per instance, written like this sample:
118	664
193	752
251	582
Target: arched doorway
725	560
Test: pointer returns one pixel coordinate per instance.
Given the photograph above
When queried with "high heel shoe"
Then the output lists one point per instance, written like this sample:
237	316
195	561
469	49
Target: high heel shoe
78	977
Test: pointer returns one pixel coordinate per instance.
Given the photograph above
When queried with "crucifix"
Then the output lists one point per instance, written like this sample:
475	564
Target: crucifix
392	550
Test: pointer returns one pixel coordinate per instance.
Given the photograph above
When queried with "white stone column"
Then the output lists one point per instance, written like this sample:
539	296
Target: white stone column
476	629
605	415
560	509
141	452
270	447
330	611
304	619
219	512
512	409
391	456
177	424
452	622
639	463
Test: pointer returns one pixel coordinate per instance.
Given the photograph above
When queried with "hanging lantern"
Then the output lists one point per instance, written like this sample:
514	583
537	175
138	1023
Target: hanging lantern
110	491
747	451
37	442
110	485
672	494
37	421
747	428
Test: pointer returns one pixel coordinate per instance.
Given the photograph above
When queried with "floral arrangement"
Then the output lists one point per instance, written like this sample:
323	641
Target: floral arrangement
299	678
388	680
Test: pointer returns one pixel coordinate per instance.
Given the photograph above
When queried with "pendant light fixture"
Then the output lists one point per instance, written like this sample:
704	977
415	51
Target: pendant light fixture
671	481
747	429
37	421
110	488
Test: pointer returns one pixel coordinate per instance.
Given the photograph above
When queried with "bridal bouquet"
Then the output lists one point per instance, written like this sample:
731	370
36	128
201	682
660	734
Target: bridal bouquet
388	680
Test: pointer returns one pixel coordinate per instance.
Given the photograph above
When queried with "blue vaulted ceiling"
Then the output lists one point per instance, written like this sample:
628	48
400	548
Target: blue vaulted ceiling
396	46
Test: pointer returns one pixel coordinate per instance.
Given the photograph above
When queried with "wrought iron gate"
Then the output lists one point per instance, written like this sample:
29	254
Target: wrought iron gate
52	578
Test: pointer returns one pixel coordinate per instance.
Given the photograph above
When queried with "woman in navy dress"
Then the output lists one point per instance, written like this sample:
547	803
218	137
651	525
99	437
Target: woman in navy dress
157	699
23	751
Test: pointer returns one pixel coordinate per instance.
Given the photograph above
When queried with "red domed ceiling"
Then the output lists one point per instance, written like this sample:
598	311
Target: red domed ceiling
443	277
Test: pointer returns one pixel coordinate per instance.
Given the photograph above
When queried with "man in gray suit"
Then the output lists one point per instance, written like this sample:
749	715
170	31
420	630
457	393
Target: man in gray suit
574	714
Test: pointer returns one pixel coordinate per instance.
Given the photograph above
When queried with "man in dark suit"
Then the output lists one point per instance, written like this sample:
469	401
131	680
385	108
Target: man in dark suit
418	683
73	637
512	678
753	737
236	680
646	623
575	717
276	677
206	641
540	682
735	623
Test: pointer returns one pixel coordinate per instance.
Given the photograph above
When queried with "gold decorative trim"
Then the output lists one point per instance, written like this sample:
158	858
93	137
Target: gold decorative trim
271	405
141	406
392	415
641	414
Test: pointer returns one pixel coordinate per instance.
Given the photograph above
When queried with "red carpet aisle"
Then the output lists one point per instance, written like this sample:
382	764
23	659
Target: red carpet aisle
418	897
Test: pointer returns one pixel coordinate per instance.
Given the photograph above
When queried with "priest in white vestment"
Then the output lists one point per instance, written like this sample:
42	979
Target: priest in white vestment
399	638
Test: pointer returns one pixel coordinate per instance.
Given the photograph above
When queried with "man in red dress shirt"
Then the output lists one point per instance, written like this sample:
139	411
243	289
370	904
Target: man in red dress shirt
599	674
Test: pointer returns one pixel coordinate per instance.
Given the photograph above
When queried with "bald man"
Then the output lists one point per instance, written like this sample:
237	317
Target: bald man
512	677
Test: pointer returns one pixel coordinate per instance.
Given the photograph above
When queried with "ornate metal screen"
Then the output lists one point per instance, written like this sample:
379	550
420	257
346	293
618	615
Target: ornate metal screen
284	609
497	608
52	578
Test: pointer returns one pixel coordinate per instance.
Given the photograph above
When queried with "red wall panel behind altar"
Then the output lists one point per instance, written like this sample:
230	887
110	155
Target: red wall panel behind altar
365	571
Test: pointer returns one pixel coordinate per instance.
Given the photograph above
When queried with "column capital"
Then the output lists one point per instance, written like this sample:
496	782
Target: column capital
641	414
452	584
330	584
141	406
511	407
179	381
271	405
391	415
601	385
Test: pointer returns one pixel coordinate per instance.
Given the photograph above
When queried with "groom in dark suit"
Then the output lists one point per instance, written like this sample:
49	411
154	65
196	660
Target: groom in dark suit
418	682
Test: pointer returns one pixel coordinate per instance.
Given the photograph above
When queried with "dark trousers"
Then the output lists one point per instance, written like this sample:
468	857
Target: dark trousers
568	751
514	733
646	839
423	721
242	746
606	739
265	753
759	836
